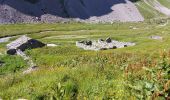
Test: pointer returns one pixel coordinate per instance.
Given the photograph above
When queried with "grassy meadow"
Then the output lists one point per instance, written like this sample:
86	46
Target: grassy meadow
65	72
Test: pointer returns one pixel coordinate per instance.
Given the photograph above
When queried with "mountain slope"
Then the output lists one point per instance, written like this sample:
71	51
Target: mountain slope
104	10
158	6
13	11
27	11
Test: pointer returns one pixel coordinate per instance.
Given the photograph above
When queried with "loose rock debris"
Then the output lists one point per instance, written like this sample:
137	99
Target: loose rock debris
102	44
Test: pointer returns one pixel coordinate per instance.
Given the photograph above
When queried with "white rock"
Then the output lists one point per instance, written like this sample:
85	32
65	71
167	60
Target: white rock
51	45
30	69
156	37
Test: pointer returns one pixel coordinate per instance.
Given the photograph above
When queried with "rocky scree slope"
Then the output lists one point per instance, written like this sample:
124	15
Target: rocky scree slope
16	11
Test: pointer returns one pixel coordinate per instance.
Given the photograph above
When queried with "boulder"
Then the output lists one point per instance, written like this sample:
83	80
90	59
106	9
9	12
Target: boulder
22	44
12	51
88	42
108	40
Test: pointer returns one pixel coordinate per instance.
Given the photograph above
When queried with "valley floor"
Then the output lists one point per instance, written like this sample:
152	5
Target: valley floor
68	72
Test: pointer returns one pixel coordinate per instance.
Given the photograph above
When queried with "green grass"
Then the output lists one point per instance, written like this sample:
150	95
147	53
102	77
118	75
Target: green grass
147	11
68	72
166	3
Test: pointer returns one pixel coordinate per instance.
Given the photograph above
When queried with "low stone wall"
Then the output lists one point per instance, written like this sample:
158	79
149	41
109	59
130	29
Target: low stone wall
103	44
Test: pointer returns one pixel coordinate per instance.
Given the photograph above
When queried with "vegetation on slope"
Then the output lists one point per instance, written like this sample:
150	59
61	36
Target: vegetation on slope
67	72
166	3
147	11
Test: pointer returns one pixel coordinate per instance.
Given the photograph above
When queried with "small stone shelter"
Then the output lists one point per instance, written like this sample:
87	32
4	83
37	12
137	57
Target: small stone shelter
22	44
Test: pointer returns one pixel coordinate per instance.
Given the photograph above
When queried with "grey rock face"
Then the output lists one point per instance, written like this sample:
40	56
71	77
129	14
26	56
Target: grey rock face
22	44
48	11
21	11
103	45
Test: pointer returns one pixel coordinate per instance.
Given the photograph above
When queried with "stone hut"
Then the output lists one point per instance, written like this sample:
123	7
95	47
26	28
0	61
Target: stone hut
22	44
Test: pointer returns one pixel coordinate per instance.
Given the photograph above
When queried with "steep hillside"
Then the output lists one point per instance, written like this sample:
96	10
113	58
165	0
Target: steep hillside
12	11
16	11
166	3
154	8
158	6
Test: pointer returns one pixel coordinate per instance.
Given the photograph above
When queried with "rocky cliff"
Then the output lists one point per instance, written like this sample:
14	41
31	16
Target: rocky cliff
27	11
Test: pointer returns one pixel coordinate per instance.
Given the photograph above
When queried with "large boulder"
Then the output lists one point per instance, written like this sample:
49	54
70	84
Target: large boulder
108	40
22	44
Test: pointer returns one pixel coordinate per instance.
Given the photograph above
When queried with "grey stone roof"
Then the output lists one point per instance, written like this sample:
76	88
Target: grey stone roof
18	42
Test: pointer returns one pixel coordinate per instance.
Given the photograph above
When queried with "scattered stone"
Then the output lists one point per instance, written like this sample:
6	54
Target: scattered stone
5	39
132	27
103	44
51	45
30	69
22	44
156	37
